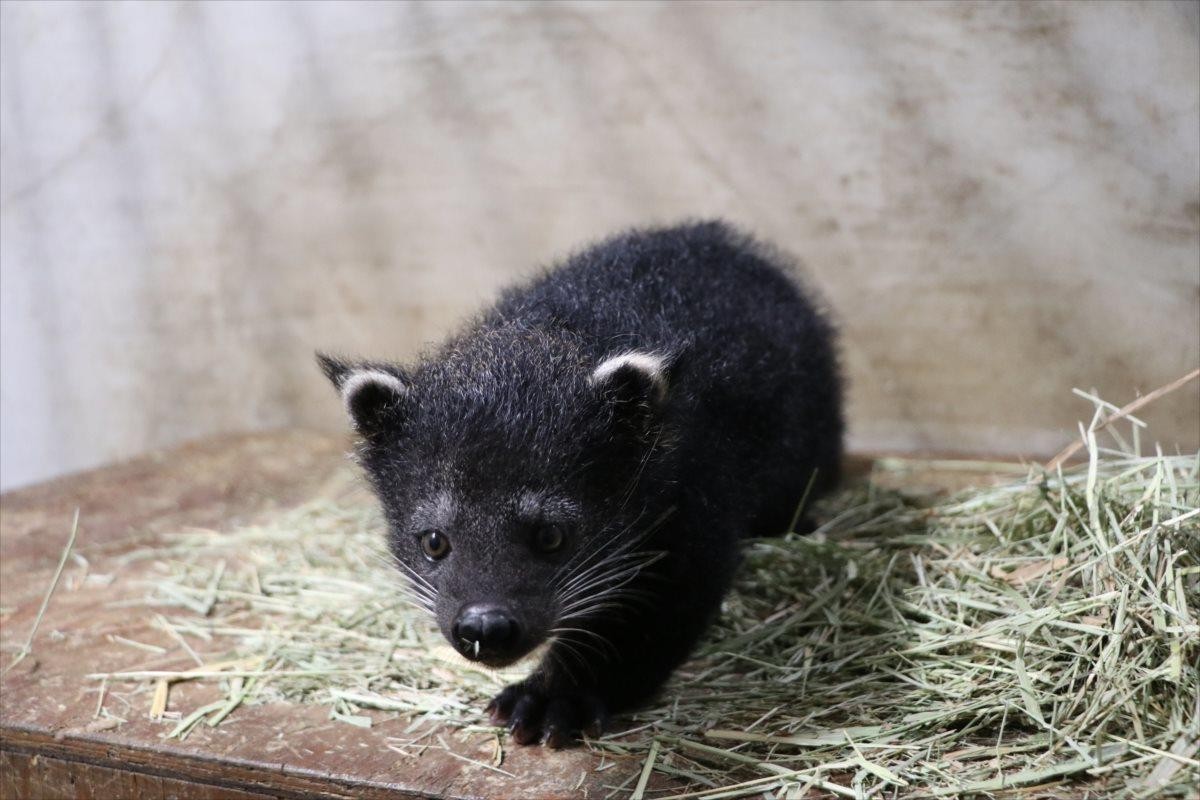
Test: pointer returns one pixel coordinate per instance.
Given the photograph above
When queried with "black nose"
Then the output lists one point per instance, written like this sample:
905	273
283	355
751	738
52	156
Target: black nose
483	631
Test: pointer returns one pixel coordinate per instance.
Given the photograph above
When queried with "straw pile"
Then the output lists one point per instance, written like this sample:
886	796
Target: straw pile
1034	639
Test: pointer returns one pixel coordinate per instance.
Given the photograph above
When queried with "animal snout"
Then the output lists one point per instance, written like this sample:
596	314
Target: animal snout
484	632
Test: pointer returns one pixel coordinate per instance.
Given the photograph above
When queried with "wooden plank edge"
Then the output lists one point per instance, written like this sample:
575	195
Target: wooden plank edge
281	780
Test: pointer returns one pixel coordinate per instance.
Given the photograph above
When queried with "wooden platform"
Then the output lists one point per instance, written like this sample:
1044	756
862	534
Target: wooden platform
53	744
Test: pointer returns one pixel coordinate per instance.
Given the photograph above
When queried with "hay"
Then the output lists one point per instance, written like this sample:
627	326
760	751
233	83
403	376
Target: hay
27	648
1003	638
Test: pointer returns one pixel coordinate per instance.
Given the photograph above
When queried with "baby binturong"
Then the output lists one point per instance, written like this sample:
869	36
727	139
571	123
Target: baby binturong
576	468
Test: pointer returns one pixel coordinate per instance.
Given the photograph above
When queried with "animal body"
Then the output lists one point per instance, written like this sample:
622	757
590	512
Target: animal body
575	467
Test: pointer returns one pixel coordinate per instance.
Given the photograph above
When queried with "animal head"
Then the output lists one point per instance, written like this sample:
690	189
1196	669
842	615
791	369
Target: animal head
518	479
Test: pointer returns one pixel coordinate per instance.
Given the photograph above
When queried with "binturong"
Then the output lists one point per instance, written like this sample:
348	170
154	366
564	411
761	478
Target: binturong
575	469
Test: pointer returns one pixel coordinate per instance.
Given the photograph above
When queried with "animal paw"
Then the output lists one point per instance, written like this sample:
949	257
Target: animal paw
555	718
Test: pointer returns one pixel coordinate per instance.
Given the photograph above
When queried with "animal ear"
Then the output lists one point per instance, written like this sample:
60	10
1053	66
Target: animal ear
375	396
637	382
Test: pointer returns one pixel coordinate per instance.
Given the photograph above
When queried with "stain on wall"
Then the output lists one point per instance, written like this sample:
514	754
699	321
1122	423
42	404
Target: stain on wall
1000	201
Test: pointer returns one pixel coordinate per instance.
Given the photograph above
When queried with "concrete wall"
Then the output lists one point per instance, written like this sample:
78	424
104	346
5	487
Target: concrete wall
1000	201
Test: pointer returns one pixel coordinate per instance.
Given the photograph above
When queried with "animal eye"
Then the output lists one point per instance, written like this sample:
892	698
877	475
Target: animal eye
435	544
548	538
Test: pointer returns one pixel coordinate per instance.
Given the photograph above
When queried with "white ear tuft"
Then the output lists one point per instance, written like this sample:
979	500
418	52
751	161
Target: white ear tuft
361	383
650	367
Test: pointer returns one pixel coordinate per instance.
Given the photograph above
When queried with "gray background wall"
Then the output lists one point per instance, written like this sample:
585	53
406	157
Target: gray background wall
1001	201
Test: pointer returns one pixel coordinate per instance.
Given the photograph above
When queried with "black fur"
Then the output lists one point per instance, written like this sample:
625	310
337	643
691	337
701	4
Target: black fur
651	476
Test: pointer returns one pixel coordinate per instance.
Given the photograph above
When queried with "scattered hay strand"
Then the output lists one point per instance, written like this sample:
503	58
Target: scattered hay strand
1003	639
27	648
1121	413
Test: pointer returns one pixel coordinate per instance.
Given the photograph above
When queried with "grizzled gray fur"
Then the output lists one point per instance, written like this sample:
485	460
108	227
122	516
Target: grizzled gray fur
576	467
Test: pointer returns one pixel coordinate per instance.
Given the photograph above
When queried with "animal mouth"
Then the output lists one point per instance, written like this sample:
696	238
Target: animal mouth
496	658
490	633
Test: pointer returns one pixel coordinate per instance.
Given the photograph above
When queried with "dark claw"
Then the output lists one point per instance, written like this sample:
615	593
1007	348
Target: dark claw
557	738
556	719
526	720
594	728
501	708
